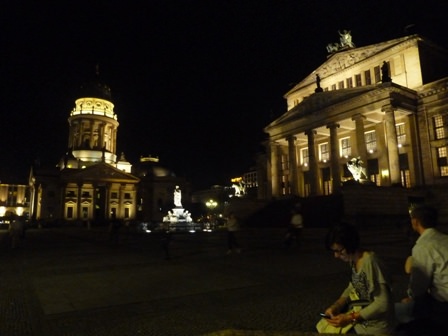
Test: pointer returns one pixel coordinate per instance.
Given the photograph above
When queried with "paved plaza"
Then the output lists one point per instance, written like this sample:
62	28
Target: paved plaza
73	281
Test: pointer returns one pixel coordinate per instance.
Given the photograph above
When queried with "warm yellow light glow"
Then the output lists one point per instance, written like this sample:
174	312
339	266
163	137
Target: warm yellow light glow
19	211
211	204
385	173
2	211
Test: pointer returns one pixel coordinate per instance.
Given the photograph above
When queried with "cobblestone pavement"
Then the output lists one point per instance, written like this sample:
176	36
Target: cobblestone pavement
73	281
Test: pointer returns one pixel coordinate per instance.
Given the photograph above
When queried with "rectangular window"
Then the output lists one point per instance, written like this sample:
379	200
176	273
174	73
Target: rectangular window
349	82
440	122
114	195
346	149
341	85
442	160
304	157
358	81
127	196
377	72
367	77
324	153
85	212
126	213
370	138
333	87
326	178
69	212
401	134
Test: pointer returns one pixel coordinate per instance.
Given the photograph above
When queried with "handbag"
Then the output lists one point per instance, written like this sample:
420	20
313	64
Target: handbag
354	305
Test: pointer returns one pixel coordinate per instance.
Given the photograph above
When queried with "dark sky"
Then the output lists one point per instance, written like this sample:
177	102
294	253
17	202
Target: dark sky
193	82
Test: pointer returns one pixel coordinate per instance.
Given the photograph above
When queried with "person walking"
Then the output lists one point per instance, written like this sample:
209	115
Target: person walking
232	227
295	228
428	283
369	282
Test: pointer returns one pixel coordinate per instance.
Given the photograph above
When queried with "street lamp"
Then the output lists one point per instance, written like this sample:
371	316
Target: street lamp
211	204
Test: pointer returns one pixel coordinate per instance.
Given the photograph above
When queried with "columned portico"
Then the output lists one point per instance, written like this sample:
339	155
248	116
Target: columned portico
334	156
314	173
293	176
361	147
392	144
275	169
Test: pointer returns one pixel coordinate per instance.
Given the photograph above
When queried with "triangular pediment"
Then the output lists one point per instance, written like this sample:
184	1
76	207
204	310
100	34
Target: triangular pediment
322	100
99	172
342	60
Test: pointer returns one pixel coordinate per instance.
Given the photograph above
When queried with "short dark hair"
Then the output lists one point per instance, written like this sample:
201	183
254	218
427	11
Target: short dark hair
344	234
427	215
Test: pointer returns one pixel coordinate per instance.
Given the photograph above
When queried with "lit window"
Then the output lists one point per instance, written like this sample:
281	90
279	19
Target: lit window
346	149
401	134
349	82
324	154
367	77
440	122
304	157
358	81
442	160
370	138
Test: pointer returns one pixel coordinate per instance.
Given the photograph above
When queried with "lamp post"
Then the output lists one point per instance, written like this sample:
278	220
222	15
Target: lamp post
211	204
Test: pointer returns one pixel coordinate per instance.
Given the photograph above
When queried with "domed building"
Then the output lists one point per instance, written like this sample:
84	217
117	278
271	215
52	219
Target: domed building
91	183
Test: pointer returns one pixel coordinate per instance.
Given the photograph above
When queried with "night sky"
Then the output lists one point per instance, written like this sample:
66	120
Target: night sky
193	82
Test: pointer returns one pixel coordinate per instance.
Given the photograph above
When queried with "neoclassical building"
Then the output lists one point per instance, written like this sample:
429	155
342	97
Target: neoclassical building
91	183
384	104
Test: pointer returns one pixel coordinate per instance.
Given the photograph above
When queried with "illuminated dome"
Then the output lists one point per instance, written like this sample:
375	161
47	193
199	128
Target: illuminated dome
149	167
95	89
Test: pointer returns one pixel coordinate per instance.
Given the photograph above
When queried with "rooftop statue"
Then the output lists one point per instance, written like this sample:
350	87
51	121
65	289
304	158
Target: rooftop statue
345	41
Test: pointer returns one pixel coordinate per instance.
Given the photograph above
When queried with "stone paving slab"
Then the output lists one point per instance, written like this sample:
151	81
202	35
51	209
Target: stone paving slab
70	281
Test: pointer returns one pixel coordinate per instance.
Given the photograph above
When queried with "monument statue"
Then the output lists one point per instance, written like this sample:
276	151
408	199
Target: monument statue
346	39
355	167
177	197
385	73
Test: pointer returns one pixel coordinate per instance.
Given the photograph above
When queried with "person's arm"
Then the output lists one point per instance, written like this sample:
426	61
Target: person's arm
378	306
421	272
340	303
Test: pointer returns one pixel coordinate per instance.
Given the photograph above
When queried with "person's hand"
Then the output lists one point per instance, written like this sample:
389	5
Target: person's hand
340	320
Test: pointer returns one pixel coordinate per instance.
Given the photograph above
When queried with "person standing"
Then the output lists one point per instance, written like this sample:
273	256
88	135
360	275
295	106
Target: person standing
232	227
368	280
16	230
428	283
114	229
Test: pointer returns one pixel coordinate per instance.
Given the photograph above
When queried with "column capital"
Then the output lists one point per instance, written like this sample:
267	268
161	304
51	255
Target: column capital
389	108
310	132
333	125
358	116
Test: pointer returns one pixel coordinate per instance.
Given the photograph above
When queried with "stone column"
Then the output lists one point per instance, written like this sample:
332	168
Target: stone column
292	155
361	147
314	173
334	158
274	170
392	145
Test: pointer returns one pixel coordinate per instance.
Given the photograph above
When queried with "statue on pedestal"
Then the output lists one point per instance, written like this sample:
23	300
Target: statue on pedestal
177	197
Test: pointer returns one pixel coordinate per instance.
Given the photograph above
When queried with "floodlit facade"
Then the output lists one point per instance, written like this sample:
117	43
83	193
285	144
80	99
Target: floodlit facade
91	183
385	105
14	200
